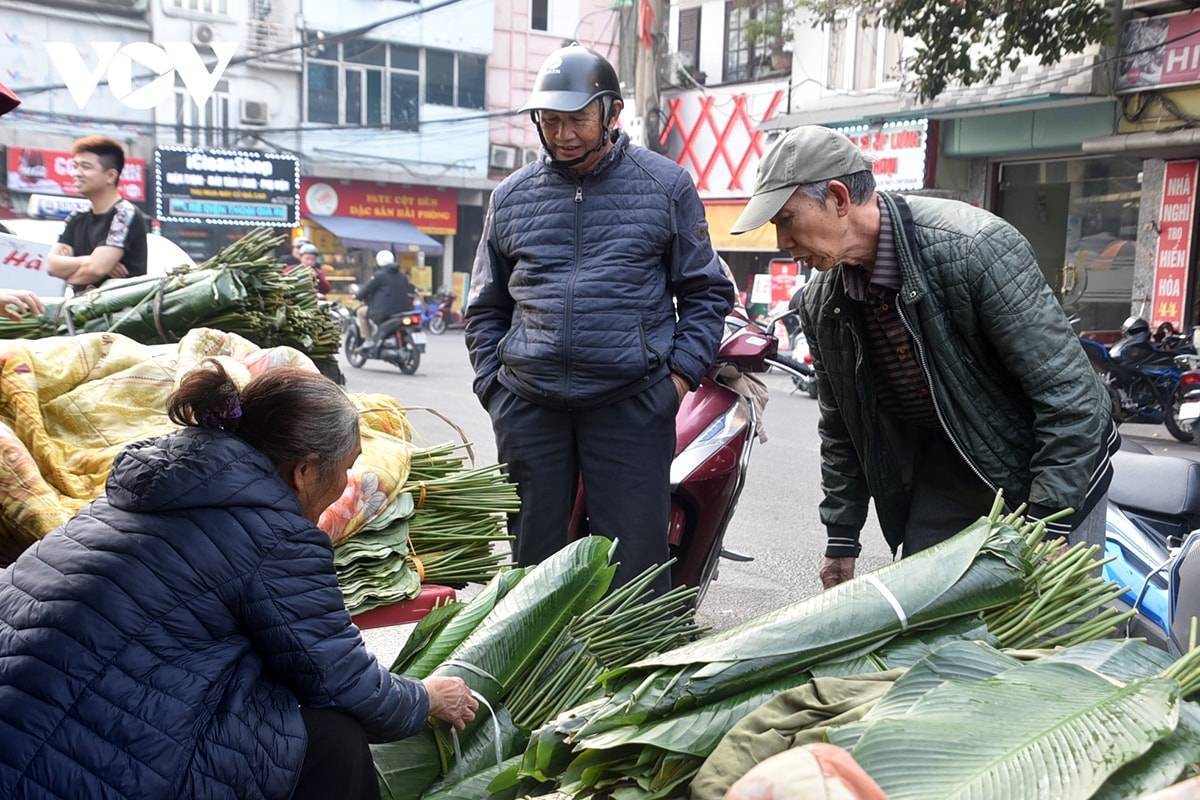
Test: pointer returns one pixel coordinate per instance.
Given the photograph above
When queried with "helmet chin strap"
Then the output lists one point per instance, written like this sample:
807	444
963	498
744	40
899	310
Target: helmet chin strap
605	136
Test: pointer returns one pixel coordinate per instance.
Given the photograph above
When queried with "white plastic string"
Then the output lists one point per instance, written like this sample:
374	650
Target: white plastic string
891	598
451	662
457	773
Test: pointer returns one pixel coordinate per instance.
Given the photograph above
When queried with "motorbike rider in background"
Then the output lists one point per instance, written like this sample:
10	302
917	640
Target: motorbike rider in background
571	326
389	293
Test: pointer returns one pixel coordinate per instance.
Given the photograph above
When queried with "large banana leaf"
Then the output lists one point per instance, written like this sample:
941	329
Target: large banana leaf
1050	729
405	767
522	625
1163	765
979	568
463	624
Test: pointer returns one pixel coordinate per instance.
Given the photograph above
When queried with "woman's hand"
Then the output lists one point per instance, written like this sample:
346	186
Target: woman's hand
25	301
450	700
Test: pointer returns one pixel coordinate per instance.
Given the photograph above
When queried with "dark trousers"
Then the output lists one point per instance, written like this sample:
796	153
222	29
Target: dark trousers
946	495
337	763
623	452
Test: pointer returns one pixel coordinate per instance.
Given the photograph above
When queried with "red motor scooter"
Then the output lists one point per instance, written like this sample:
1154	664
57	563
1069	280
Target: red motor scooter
715	430
446	317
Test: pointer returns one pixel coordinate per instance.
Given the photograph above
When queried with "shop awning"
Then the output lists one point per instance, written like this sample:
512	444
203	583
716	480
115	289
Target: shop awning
722	214
393	234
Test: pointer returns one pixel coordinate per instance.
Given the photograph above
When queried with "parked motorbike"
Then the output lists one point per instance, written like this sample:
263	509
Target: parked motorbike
401	346
715	429
445	317
1153	537
1142	372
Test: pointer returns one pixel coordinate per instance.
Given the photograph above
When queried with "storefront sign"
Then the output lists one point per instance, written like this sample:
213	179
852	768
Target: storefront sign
1159	51
49	172
23	266
227	187
1174	243
429	208
898	150
49	206
785	280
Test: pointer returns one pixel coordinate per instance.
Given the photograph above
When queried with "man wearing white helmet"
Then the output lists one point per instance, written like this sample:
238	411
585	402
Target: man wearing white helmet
596	304
388	294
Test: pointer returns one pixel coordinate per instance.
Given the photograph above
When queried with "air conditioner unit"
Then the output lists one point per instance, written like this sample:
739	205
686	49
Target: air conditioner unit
502	157
203	33
532	154
255	112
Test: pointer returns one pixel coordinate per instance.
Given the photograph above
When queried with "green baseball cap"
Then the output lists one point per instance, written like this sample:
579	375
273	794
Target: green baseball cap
808	154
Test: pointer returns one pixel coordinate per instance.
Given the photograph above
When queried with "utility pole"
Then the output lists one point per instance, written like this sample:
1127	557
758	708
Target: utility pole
640	67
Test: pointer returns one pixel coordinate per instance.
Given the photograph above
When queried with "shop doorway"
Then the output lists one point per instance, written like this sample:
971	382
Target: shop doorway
1081	216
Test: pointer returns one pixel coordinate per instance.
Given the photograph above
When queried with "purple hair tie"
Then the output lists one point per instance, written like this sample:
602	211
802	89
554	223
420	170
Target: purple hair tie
222	416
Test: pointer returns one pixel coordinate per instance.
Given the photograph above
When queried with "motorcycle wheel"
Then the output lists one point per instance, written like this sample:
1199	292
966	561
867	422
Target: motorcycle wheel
410	359
437	325
350	349
1180	430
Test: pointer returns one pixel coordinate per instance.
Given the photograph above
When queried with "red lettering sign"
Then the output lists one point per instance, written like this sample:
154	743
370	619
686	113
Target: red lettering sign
49	172
1174	243
432	209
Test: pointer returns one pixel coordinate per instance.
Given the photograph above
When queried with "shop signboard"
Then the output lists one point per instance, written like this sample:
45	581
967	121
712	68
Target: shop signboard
785	279
1159	51
432	209
227	187
31	170
898	151
23	266
1174	243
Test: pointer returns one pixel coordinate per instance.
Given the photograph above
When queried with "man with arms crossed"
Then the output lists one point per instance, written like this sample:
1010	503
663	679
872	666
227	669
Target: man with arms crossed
110	240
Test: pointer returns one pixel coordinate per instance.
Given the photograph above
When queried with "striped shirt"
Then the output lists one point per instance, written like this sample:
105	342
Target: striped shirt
900	384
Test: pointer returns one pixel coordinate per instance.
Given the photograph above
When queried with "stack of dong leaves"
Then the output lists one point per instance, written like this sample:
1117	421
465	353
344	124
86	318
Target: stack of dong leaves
976	669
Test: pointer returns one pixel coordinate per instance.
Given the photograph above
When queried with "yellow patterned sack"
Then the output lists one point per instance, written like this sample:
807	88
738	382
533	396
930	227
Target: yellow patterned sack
69	404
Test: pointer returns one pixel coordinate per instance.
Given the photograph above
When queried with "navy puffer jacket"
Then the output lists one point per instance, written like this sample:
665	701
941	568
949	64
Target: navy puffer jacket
160	643
578	282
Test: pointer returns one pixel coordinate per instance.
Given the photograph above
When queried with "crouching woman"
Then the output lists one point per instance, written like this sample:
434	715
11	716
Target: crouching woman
184	635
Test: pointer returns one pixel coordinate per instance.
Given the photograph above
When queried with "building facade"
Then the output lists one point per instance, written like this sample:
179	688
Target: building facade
1015	146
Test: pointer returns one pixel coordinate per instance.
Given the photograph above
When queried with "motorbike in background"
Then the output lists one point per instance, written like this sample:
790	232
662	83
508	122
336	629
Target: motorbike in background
402	347
1142	374
715	430
445	317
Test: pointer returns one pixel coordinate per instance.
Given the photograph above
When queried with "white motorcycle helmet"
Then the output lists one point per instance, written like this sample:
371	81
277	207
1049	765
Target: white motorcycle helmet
384	258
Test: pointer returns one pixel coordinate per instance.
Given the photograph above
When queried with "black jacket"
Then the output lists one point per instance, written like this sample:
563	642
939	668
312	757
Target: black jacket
1013	388
387	294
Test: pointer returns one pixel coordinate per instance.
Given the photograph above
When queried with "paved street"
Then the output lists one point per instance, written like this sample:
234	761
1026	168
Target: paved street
776	520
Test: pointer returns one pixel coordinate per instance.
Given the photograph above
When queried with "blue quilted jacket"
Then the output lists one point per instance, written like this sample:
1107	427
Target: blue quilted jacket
588	289
160	643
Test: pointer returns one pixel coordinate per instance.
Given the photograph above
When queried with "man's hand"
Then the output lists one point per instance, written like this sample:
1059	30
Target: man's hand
450	700
681	385
835	571
119	271
25	301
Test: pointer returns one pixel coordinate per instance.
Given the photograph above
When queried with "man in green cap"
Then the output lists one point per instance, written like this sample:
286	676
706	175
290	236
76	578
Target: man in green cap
946	368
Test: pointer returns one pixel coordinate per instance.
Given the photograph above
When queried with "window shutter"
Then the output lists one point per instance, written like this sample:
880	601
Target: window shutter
689	36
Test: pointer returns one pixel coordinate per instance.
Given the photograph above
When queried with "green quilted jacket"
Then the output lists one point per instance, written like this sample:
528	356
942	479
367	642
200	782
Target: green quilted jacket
1012	385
